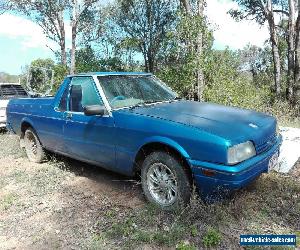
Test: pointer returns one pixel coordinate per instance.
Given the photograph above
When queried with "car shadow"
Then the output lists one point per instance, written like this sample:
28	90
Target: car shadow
101	180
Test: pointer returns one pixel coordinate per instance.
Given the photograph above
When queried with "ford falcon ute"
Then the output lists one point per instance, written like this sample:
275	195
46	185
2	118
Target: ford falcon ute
134	124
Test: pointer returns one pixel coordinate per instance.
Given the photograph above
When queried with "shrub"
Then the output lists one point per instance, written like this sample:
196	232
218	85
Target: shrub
211	238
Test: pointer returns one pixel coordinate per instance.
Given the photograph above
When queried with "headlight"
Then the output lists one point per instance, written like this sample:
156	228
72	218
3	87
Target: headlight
240	152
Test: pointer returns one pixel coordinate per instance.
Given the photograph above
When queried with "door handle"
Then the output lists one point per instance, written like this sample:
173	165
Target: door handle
68	115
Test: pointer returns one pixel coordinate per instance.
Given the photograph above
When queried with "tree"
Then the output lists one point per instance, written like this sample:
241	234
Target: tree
52	15
291	49
199	13
295	95
180	61
49	15
146	22
81	13
40	76
4	6
263	11
86	60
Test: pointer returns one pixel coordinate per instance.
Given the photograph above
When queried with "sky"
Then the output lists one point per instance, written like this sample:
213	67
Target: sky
22	40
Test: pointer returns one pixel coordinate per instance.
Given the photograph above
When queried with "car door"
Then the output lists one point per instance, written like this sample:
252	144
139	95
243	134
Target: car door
51	126
89	138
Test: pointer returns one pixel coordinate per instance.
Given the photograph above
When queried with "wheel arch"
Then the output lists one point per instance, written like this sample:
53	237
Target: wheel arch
165	145
25	124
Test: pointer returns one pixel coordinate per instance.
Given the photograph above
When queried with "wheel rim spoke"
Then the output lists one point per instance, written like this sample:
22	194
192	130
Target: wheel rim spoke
157	172
154	179
162	184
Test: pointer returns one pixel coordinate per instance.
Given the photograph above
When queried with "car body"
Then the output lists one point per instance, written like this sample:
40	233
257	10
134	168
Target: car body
219	147
9	91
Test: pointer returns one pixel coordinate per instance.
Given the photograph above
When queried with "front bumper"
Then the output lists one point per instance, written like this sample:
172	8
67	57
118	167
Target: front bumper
225	179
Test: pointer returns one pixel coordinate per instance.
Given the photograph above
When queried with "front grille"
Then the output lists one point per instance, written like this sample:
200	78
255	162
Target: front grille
267	144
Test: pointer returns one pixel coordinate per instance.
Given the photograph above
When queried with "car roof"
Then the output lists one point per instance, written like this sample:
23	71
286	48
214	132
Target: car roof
112	74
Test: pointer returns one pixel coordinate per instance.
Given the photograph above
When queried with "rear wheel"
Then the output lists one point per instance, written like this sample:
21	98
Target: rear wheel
164	181
33	147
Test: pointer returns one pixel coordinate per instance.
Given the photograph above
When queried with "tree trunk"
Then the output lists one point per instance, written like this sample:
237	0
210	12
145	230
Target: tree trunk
186	5
74	35
63	54
200	78
277	70
150	59
73	51
296	88
275	50
62	32
291	51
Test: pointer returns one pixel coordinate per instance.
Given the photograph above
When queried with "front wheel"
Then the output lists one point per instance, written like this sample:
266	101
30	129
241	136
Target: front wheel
33	147
164	181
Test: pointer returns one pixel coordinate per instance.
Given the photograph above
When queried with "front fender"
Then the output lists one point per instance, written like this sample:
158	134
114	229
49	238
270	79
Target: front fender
166	141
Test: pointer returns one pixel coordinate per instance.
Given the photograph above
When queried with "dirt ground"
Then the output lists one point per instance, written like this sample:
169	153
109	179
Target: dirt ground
56	204
66	204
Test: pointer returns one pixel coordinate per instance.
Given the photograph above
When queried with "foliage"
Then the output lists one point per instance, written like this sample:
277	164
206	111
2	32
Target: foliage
211	238
180	61
185	246
60	72
39	75
4	6
43	76
144	25
49	15
228	85
162	36
86	60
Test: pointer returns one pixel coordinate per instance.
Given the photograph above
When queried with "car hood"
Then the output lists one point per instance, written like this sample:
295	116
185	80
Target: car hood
233	124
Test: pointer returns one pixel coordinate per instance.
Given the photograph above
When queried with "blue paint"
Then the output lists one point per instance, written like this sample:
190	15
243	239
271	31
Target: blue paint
201	132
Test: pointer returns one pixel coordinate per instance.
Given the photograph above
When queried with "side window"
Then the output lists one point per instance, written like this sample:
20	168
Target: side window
63	101
83	93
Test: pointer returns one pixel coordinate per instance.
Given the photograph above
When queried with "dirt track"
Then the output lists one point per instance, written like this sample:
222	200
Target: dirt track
45	206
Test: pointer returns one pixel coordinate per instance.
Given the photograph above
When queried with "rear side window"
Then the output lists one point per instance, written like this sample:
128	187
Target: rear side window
9	91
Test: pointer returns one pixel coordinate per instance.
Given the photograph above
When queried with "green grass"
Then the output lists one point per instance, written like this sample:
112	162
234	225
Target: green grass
185	246
271	205
7	201
211	238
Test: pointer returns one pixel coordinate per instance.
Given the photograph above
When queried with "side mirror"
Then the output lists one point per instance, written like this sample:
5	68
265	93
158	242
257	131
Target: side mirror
94	110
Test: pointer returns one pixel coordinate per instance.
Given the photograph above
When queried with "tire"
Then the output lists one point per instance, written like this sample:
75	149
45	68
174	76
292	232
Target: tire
33	147
165	182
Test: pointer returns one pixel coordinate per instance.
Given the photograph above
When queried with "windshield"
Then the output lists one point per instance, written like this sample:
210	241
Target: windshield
128	91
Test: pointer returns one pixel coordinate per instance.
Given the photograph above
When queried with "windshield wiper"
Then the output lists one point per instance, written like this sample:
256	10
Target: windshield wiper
175	99
142	104
136	105
150	101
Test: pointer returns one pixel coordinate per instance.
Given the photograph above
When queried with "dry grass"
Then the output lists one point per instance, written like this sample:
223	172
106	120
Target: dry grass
67	204
269	206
